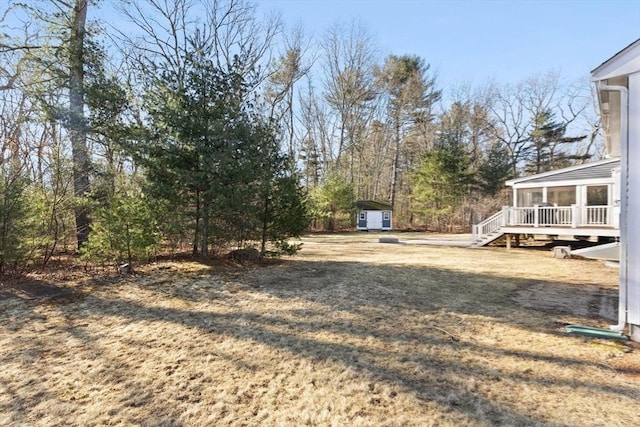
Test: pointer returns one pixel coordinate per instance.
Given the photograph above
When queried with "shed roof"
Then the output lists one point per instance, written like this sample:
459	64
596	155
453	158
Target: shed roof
593	170
370	205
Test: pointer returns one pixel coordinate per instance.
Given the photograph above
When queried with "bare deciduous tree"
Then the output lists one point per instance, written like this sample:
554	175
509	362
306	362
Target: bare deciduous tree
290	67
229	29
349	84
516	108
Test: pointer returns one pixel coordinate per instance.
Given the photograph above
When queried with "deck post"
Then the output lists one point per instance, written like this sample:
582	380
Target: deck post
518	240
474	233
505	216
574	216
508	236
536	215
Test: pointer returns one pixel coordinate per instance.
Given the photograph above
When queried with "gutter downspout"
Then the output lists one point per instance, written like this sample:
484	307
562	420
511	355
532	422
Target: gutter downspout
624	150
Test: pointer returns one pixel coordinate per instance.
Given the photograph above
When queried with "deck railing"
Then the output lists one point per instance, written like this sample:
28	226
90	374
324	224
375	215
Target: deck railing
596	215
546	216
542	216
563	216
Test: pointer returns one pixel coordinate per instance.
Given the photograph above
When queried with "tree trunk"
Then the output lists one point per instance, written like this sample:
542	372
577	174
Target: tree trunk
204	245
265	226
396	164
197	225
77	128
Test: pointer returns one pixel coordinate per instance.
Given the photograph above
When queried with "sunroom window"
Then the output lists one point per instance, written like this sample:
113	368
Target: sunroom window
597	195
528	197
561	196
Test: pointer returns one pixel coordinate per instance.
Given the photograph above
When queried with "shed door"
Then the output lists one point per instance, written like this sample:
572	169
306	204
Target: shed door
374	220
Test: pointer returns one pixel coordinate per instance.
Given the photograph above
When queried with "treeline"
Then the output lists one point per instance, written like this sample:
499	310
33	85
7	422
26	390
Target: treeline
177	125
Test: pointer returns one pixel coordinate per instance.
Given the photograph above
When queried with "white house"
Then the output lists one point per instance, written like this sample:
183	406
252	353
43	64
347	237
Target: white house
617	83
595	199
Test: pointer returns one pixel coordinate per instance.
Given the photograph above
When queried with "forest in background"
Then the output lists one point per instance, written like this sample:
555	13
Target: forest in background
170	126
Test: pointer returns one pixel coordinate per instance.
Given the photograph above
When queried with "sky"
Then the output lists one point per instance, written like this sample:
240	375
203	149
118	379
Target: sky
473	42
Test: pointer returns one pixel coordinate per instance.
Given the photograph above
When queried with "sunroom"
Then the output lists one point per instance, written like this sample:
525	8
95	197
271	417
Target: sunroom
581	200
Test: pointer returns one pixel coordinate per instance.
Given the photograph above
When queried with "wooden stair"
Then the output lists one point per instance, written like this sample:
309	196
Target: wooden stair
485	240
488	230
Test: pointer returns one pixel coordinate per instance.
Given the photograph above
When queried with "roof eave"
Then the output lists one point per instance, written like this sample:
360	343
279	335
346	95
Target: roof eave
625	62
515	181
372	205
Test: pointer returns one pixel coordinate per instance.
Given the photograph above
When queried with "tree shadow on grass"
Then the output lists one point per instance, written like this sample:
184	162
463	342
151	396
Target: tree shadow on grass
354	286
28	288
367	300
442	378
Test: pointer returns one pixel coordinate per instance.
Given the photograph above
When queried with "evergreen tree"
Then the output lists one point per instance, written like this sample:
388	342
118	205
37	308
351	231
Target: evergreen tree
14	211
442	181
210	152
282	207
494	169
333	202
196	140
124	230
411	94
548	149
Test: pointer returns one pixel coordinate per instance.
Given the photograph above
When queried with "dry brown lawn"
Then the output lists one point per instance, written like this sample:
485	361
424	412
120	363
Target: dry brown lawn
348	332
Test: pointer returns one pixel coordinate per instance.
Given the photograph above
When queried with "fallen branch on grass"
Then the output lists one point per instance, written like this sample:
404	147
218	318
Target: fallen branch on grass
452	337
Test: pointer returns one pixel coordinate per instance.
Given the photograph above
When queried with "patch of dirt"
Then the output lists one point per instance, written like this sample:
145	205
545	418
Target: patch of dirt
578	300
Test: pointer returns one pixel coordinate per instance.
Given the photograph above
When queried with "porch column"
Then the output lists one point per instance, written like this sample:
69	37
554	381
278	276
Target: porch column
575	213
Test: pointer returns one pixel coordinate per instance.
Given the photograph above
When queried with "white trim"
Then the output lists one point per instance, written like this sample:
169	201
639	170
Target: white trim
631	201
549	184
563	231
623	63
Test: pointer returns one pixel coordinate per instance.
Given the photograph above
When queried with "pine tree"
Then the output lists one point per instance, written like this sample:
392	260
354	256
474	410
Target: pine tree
333	202
494	169
14	210
282	205
411	94
210	152
548	150
125	230
442	181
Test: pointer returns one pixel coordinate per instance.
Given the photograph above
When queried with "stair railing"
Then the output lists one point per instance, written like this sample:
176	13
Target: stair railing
488	226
